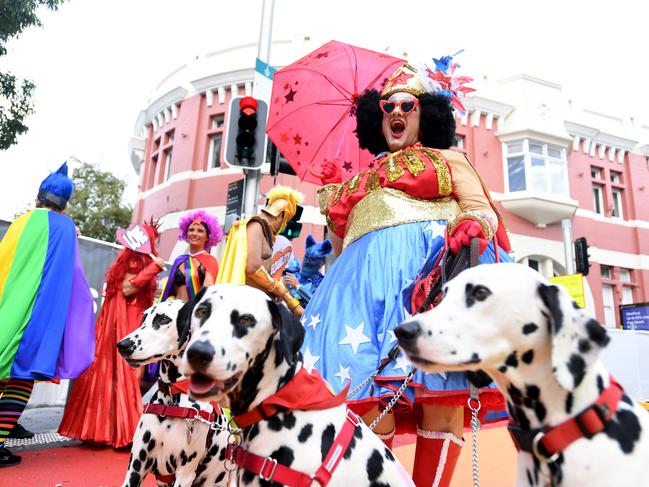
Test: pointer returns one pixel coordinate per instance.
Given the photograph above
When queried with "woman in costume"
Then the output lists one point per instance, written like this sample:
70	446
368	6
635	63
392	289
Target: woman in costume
417	199
197	268
46	308
106	403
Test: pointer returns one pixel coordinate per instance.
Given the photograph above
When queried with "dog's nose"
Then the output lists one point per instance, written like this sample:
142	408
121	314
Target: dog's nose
125	347
200	354
407	333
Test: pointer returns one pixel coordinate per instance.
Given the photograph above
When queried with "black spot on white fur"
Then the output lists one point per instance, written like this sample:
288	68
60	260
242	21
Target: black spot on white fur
530	328
577	368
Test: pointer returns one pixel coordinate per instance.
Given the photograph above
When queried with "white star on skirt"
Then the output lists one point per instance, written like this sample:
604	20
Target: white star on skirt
343	374
310	360
315	320
354	337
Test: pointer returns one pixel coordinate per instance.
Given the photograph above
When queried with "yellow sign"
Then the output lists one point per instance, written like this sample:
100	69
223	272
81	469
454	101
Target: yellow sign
574	284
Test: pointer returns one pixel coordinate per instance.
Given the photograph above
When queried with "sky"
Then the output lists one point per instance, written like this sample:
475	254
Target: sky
95	62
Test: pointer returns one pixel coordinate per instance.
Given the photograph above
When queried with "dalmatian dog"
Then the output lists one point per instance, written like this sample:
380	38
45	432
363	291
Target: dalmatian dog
572	424
247	347
190	452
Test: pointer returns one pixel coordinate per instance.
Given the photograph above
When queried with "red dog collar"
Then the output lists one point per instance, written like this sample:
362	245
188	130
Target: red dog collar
547	443
268	469
180	412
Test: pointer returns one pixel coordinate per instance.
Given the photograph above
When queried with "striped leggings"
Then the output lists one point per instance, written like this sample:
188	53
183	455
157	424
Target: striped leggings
14	394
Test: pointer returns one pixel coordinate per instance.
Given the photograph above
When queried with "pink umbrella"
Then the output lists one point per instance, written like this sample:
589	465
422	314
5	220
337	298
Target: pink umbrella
312	110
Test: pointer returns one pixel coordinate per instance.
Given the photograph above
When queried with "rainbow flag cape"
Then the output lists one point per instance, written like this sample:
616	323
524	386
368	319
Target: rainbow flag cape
46	309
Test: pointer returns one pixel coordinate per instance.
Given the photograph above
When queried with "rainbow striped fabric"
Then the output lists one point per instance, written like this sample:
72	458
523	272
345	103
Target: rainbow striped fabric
46	309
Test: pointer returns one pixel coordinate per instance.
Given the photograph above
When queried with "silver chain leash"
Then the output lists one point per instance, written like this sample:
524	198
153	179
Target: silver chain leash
393	401
474	405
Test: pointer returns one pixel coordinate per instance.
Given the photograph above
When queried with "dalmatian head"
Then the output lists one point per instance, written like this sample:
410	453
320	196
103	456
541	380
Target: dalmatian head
162	334
240	339
497	317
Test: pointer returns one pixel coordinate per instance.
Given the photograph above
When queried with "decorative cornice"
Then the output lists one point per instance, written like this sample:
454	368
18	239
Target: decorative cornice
174	96
215	81
551	138
598	137
487	105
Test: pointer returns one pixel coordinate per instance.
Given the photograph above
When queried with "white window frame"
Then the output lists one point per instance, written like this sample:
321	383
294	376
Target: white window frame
608	302
616	203
210	160
627	295
598	201
527	161
167	162
460	141
217	122
616	177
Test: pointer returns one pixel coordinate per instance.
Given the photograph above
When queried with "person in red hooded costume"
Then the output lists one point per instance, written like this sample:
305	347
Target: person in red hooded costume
106	403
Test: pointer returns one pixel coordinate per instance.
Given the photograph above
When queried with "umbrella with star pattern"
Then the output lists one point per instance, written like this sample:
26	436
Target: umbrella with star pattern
312	109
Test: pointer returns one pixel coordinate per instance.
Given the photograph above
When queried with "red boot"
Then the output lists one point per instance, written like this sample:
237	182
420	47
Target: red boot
386	438
435	458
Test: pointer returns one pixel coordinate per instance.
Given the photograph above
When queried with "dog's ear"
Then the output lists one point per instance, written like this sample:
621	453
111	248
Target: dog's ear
478	378
291	333
184	320
577	339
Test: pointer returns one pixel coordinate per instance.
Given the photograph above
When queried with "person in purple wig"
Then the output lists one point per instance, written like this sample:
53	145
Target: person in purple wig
197	268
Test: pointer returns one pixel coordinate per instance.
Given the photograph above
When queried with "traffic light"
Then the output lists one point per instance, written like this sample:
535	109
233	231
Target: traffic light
278	163
581	256
293	226
245	144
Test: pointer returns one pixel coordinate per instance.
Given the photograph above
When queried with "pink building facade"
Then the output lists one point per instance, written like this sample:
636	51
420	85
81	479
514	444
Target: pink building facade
557	170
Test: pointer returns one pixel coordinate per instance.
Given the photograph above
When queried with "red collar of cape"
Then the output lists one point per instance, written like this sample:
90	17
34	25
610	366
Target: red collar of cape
304	392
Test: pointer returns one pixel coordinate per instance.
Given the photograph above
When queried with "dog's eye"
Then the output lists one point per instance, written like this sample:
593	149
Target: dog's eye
200	312
247	320
480	293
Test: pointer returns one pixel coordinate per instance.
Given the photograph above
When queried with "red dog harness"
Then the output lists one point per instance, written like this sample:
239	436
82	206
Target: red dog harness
547	443
181	412
305	391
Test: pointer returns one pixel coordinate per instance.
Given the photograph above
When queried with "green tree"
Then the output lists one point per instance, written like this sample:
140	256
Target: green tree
16	95
96	204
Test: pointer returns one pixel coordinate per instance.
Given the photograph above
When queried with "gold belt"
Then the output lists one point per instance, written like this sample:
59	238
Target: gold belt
387	207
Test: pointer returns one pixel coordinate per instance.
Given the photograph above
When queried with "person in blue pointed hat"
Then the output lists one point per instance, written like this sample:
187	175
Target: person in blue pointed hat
46	309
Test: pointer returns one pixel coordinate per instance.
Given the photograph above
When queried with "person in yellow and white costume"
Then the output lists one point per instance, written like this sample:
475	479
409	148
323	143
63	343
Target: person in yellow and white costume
249	247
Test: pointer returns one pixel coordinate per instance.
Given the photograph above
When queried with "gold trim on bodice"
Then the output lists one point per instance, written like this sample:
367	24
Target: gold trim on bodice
387	207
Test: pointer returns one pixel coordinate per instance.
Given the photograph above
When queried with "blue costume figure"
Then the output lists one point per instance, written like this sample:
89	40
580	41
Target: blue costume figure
392	220
309	277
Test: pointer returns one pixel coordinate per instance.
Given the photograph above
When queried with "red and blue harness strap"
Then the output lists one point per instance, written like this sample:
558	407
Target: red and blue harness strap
546	443
268	469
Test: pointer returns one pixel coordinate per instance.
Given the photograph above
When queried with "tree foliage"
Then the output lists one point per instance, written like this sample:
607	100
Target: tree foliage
16	95
96	204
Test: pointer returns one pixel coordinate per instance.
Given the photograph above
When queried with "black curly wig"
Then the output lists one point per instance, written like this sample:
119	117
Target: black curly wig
437	125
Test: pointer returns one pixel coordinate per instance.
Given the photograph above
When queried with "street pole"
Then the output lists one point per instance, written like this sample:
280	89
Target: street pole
253	176
566	227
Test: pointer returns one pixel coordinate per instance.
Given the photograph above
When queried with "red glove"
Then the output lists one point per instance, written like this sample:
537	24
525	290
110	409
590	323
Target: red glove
463	233
145	275
331	173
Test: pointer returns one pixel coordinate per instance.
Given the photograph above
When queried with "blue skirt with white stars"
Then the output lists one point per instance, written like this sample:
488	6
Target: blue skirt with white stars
349	321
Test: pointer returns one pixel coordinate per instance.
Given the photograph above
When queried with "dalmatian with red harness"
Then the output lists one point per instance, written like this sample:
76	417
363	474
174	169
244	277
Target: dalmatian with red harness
180	440
292	430
571	422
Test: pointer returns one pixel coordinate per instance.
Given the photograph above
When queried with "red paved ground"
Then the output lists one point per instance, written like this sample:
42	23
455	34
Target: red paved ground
87	466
